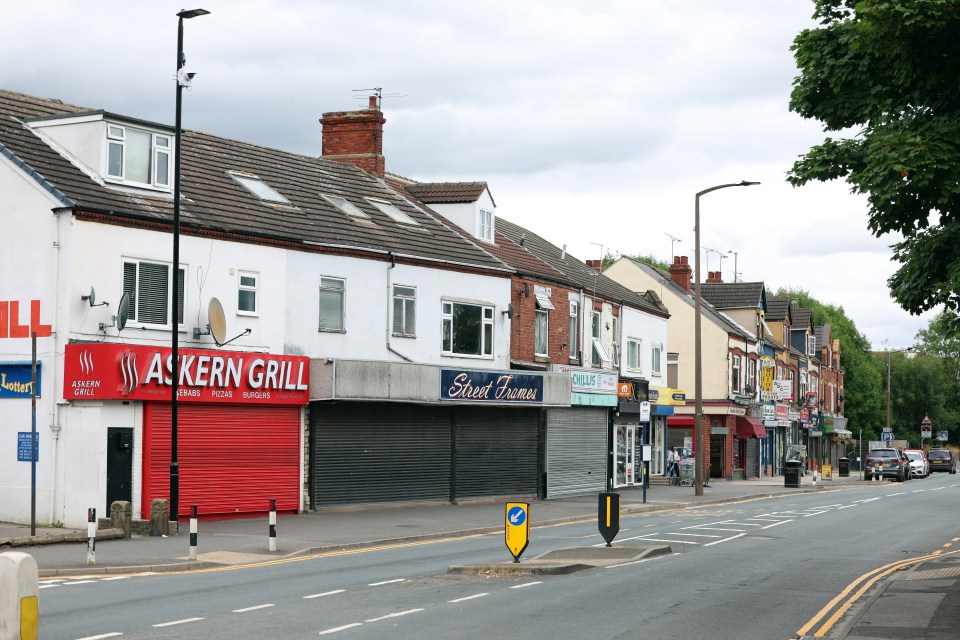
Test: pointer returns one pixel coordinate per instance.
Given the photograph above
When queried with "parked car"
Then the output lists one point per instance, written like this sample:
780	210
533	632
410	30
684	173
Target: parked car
887	463
919	465
942	460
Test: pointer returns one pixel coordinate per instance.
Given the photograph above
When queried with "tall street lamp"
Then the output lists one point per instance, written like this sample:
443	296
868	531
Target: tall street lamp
183	80
697	365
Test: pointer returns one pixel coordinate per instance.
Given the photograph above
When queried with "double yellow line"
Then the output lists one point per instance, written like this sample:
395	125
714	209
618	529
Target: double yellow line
855	590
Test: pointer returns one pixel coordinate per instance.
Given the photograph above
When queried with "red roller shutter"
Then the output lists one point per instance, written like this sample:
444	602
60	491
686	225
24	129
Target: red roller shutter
233	460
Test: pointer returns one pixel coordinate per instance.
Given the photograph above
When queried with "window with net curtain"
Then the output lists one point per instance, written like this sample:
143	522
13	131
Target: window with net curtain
404	311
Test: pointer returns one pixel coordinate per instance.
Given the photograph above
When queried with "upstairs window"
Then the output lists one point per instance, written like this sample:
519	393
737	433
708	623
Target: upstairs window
137	156
392	212
346	206
541	333
633	354
332	292
574	328
467	329
655	356
615	342
485	225
247	293
404	311
149	285
258	187
735	375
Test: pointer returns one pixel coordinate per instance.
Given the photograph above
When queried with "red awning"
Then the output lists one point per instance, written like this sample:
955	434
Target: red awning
683	422
748	427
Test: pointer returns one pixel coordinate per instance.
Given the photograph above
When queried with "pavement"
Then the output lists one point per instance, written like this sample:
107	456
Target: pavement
931	593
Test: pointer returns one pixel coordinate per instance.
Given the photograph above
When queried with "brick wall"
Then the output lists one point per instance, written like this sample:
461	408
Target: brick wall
355	137
523	324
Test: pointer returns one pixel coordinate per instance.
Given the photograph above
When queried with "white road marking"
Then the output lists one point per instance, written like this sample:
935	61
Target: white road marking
902	493
770	526
526	584
674	541
918	491
47	586
476	595
709	528
394	615
114	578
633	562
170	624
73	582
346	626
697	535
325	593
259	606
100	637
937	489
710	544
377	584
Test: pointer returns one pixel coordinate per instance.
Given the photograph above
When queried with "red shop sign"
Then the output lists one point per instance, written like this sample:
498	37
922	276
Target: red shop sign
137	372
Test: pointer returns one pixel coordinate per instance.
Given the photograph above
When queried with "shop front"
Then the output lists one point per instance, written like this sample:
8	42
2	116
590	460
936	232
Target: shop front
662	403
239	425
576	436
631	422
399	432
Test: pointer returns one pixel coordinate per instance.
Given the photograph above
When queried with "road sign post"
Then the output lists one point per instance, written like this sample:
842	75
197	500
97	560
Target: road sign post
608	516
516	529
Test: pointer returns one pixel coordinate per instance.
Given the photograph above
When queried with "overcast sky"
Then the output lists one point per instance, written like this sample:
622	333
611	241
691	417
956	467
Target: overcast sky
594	122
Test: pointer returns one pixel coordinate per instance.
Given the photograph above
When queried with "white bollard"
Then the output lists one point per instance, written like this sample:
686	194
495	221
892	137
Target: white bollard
91	536
19	597
193	532
272	533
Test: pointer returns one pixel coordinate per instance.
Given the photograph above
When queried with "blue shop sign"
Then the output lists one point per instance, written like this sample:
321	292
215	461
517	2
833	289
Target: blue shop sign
490	386
25	447
16	379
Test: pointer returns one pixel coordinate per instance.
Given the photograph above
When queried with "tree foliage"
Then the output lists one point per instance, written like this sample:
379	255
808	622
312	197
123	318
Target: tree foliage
884	75
610	258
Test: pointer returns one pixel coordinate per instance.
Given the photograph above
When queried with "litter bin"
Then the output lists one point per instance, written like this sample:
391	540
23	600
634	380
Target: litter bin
791	473
843	467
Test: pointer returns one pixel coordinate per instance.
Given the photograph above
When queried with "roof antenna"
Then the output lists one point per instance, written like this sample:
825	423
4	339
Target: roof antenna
673	241
378	94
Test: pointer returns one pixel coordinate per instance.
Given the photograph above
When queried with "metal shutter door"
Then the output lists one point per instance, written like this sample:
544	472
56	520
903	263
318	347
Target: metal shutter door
369	452
753	451
233	460
576	451
496	451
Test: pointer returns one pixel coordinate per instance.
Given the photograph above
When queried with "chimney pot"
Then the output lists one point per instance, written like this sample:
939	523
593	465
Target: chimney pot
372	103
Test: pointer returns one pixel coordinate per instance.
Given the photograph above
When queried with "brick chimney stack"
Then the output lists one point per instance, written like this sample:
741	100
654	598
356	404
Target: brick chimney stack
714	277
356	137
680	272
595	264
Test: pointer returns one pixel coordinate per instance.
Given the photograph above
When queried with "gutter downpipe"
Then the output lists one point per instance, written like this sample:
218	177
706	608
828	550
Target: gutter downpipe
55	417
393	263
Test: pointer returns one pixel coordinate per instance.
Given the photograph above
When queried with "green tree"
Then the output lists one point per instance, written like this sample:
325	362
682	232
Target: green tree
864	400
939	346
609	259
882	75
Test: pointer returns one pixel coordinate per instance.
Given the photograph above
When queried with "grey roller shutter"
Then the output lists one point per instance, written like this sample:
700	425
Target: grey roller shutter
753	450
496	451
367	452
576	451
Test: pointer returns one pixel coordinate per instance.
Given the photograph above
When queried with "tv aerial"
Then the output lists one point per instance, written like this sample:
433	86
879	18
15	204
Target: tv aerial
217	325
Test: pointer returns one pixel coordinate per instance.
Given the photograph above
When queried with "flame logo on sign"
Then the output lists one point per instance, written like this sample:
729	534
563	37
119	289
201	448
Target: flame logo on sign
128	369
86	362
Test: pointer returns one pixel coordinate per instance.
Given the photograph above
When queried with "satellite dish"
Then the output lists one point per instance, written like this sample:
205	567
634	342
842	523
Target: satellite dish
123	311
217	321
91	297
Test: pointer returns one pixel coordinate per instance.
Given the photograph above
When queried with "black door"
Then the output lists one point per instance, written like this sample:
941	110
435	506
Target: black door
119	465
716	456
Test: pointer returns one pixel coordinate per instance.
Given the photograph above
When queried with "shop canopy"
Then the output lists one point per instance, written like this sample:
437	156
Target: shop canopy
748	427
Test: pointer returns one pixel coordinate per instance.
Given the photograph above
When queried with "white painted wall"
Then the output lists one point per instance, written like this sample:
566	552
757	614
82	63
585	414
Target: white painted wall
650	330
465	214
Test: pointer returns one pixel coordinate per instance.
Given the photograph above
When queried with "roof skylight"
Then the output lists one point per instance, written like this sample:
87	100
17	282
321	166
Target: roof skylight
346	206
259	188
392	211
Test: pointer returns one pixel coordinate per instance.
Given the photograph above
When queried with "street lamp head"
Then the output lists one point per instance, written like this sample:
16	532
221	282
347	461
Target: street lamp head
192	13
747	183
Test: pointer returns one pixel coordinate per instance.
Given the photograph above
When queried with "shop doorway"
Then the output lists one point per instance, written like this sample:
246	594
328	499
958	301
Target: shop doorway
119	465
627	451
717	443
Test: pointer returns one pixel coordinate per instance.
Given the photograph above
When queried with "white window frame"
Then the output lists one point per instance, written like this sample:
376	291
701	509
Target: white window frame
253	289
598	354
136	299
752	374
447	328
541	333
812	342
656	360
615	341
258	187
402	299
736	379
159	154
635	354
344	205
485	225
392	211
326	285
574	328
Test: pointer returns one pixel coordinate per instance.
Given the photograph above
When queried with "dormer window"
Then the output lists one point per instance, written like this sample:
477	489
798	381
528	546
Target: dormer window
138	157
485	225
258	187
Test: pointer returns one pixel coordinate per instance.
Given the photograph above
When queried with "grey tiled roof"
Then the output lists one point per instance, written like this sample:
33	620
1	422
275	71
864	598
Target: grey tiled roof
734	295
802	317
707	309
447	192
778	308
213	201
584	277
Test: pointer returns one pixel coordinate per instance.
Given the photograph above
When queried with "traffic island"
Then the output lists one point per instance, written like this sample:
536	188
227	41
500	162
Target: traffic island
563	561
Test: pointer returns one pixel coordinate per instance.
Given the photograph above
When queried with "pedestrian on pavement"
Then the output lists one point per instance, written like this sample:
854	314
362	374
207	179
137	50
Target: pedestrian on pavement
672	459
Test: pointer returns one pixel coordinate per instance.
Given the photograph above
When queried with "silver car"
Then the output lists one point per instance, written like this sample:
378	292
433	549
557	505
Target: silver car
919	466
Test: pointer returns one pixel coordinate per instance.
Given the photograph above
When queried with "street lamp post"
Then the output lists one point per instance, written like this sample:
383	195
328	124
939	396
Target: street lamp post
889	351
697	365
735	275
181	81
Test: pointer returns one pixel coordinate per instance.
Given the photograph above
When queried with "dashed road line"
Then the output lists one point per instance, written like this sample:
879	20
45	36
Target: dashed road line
525	584
325	593
394	615
102	636
343	628
254	608
394	581
175	622
464	599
